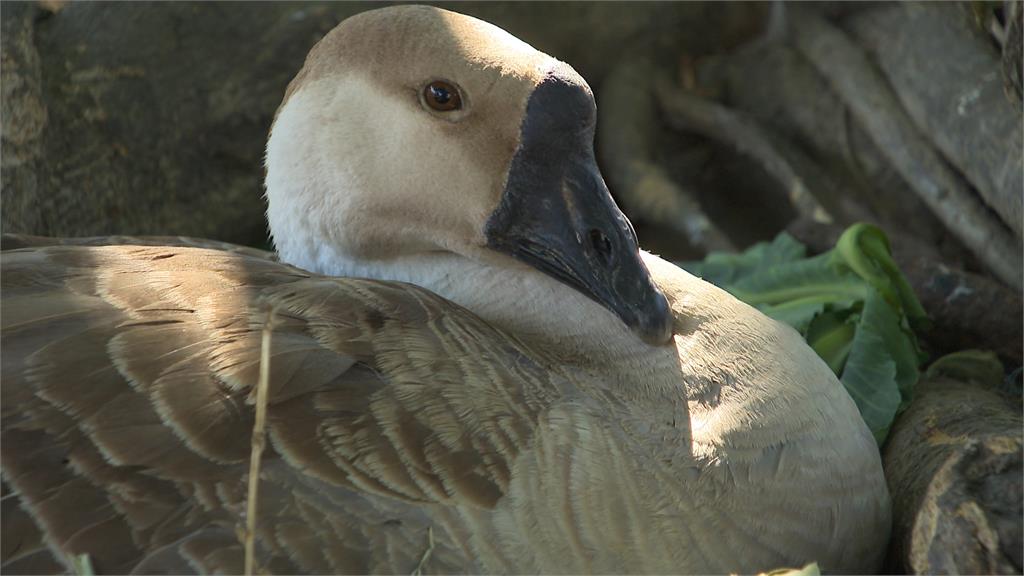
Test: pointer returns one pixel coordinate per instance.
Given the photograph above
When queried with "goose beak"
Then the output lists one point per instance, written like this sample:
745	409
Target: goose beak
557	215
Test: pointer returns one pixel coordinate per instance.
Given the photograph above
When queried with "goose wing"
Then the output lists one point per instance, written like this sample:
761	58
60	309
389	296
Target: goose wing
10	241
128	373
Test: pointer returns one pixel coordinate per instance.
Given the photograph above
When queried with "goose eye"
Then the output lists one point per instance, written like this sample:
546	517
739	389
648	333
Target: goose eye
442	96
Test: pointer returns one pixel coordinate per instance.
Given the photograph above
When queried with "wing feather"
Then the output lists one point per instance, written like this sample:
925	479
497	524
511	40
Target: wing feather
128	376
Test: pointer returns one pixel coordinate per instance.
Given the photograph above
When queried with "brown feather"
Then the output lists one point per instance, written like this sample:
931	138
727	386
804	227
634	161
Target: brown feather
150	377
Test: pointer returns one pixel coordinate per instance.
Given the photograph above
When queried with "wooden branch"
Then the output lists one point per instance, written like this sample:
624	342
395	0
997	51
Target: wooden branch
872	102
1013	51
628	125
953	464
949	83
806	185
780	89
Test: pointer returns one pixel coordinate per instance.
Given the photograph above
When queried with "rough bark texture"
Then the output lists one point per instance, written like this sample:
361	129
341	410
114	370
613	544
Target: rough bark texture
24	114
150	118
691	113
779	88
872	102
1013	51
967	310
958	98
953	464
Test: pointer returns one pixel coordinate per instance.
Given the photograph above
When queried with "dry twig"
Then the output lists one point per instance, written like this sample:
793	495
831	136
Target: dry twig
426	553
259	440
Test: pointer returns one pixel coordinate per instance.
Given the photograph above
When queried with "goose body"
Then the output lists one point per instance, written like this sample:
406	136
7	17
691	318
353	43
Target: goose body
473	368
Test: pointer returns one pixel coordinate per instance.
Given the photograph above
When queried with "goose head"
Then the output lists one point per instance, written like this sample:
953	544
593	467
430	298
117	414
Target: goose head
412	130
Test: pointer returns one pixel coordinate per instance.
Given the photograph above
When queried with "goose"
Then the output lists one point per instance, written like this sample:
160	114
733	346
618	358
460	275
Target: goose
473	366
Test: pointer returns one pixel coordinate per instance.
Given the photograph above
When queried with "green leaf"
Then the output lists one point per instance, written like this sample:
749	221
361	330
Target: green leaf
831	336
852	304
981	366
808	570
809	280
865	250
881	368
722	269
82	565
797	313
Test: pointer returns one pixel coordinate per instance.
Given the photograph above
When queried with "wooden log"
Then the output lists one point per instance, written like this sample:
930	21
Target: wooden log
950	84
1013	51
953	464
810	190
873	103
780	89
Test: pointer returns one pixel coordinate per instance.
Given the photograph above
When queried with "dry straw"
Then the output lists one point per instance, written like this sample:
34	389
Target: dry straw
259	440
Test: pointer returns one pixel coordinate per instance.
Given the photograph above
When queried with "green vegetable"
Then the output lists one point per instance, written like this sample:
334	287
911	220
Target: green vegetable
852	304
809	570
82	565
981	366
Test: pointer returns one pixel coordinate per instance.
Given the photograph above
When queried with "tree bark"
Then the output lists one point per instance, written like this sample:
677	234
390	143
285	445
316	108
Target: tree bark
872	102
810	190
778	87
953	465
1013	51
949	82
